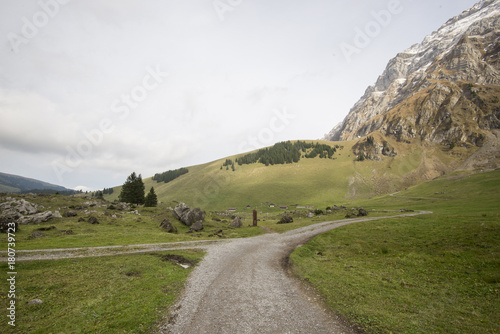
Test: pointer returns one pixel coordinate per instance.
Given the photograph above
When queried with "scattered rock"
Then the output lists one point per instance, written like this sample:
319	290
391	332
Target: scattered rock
236	222
6	225
167	226
197	226
286	219
36	234
35	302
362	212
67	232
81	219
57	214
46	228
93	220
36	218
70	213
310	215
190	217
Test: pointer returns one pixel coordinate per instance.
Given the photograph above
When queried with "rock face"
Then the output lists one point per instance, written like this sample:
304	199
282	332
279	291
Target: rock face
444	90
190	217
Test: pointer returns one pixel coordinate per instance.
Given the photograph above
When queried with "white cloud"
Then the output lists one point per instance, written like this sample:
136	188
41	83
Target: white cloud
225	79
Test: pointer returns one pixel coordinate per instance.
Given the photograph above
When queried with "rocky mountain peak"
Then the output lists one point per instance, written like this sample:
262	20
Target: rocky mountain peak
444	89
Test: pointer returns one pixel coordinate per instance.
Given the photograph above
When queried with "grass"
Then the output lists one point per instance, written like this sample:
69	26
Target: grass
118	294
436	273
319	182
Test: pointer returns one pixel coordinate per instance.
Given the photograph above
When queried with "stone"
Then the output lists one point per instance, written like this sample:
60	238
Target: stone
36	218
189	216
362	212
310	215
70	213
93	220
35	302
6	225
36	234
197	226
167	226
57	214
286	219
236	222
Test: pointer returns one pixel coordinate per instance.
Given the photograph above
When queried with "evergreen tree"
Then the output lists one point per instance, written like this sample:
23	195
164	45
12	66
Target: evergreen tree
151	198
133	190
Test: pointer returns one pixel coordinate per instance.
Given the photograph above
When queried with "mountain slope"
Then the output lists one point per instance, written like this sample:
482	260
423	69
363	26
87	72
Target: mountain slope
444	90
14	183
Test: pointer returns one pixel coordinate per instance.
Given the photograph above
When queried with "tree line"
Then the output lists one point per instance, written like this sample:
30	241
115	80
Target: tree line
169	175
288	152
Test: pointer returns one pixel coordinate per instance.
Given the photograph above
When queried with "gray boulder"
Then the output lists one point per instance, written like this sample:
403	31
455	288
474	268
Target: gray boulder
286	219
167	226
197	226
236	222
362	212
189	216
310	215
36	218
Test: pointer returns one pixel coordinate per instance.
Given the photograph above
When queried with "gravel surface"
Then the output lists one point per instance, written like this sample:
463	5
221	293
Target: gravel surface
242	286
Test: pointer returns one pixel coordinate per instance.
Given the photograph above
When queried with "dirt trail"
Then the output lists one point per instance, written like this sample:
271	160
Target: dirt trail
241	286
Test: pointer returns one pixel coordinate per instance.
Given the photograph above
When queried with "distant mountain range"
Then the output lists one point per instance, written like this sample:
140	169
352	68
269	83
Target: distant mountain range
18	184
444	90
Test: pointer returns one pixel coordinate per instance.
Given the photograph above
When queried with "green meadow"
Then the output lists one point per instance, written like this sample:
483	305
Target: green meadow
436	273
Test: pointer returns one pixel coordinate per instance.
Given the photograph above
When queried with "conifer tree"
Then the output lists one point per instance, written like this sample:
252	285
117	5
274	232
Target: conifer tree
151	198
133	190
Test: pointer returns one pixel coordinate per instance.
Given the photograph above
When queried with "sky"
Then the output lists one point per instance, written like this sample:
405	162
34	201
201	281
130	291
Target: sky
91	91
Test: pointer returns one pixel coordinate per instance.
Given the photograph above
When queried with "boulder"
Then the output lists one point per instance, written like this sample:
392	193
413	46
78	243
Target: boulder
189	216
93	220
57	214
6	225
36	234
286	219
167	226
35	302
197	226
36	218
70	214
362	212
236	222
310	215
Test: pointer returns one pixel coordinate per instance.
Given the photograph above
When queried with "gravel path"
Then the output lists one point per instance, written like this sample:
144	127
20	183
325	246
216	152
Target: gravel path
242	286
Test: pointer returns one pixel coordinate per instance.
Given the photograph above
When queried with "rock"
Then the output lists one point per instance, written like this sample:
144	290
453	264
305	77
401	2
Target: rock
57	214
93	220
11	214
6	225
36	234
236	222
36	218
46	228
197	226
167	226
362	212
70	214
35	302
81	219
310	215
286	219
189	217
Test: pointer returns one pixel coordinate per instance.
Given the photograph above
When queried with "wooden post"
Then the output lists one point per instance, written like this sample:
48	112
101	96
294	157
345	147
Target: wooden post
254	217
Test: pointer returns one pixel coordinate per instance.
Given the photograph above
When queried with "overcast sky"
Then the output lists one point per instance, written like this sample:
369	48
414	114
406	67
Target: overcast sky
93	90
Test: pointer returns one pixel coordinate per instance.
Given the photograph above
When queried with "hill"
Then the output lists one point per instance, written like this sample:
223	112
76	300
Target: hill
16	184
318	182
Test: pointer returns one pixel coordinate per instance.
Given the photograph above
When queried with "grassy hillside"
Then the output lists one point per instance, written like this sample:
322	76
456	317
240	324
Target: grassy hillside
318	182
13	184
428	274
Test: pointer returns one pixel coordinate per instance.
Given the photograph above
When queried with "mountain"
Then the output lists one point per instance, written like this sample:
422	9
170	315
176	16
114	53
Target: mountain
445	91
14	184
